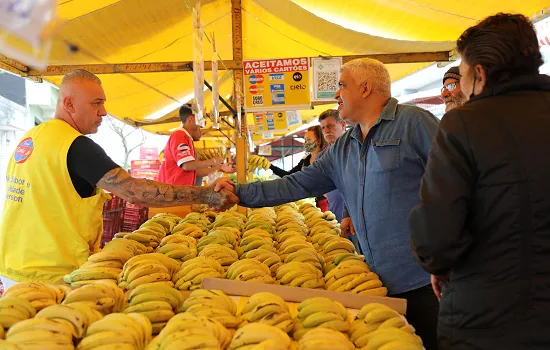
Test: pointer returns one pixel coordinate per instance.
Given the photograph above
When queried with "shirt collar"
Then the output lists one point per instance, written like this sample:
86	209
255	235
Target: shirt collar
388	113
185	131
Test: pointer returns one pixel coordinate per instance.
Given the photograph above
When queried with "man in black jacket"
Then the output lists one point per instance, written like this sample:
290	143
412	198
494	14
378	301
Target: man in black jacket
484	223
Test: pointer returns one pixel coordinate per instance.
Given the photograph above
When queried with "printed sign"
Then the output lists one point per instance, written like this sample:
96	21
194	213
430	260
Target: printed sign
275	121
325	78
264	150
277	84
293	118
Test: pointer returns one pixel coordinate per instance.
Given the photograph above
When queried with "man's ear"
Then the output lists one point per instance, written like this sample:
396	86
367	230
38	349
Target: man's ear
366	89
68	104
481	76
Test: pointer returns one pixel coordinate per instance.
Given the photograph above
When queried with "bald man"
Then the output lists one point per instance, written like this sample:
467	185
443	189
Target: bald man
52	219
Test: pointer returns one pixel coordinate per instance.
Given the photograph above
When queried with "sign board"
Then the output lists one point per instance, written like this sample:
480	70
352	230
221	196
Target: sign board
277	84
293	118
264	150
276	121
325	74
267	135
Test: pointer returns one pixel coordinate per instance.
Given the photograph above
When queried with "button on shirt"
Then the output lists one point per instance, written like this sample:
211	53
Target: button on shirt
380	179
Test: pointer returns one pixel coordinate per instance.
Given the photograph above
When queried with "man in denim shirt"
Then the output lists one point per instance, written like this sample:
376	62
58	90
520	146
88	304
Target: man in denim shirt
377	166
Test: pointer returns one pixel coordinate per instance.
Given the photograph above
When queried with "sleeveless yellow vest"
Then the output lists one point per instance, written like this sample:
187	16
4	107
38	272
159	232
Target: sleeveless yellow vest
47	229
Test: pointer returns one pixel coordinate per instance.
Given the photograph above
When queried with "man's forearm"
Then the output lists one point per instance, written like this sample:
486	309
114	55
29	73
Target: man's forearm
207	171
195	165
155	194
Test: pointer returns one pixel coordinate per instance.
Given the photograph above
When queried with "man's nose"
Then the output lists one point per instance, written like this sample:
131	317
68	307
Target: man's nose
445	93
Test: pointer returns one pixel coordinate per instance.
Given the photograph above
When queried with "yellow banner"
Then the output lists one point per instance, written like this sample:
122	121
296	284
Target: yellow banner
270	121
277	84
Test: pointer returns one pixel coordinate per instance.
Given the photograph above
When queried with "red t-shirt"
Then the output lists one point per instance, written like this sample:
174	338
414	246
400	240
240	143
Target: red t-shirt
178	150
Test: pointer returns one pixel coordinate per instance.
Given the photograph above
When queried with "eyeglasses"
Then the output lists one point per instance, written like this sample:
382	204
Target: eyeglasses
450	87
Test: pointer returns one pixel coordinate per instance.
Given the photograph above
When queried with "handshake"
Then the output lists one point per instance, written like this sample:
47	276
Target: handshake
220	195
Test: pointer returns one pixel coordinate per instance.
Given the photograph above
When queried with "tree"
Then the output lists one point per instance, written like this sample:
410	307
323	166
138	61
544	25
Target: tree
124	131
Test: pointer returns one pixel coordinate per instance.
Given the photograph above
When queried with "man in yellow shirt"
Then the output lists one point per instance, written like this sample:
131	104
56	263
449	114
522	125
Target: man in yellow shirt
52	214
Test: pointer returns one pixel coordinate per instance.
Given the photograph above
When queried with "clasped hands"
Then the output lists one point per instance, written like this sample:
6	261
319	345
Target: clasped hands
222	194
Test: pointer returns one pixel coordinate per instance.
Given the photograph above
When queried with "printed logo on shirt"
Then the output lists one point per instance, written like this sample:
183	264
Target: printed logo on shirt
23	151
183	147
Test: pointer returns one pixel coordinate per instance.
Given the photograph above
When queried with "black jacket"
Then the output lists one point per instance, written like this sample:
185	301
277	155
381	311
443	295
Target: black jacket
484	220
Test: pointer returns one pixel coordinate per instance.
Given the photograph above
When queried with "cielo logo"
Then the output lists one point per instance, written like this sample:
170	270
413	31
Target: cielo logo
256	79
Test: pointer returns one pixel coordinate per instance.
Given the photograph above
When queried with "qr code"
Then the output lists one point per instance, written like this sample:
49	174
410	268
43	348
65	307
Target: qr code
258	100
327	81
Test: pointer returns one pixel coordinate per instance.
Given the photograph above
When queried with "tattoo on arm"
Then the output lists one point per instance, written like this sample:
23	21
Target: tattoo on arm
156	194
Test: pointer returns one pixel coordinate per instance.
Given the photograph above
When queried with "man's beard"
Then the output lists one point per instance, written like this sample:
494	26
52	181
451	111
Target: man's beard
454	101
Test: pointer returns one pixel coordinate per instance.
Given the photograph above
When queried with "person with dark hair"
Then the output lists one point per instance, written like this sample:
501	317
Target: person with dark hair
180	165
313	145
483	226
451	93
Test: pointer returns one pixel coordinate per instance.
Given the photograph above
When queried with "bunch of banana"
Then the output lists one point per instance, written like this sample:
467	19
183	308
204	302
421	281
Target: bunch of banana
210	215
320	239
165	224
106	264
270	309
319	224
209	240
392	339
337	245
224	255
307	255
338	258
178	247
293	245
354	276
374	316
103	296
292	224
14	310
149	236
300	274
324	339
256	232
39	295
306	207
188	331
212	304
228	220
268	257
260	336
191	230
147	268
191	273
196	219
291	205
281	237
258	162
267	214
320	312
264	223
127	245
157	302
226	234
76	319
118	331
254	241
170	216
250	270
40	333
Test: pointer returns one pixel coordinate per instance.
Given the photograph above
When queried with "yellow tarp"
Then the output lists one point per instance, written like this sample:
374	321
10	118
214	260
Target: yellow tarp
126	31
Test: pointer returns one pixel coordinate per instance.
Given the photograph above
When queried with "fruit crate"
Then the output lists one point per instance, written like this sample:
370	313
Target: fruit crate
113	218
134	216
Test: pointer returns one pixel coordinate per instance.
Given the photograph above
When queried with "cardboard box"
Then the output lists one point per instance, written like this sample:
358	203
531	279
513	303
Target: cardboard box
145	164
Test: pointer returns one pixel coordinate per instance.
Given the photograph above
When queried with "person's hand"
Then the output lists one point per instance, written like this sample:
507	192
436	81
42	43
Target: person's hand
437	284
224	183
217	161
221	199
228	168
346	227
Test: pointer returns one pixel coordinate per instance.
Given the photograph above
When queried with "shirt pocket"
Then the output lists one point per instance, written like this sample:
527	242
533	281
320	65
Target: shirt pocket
383	156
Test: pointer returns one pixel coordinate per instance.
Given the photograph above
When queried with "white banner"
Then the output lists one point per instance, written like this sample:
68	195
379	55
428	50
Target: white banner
26	27
198	65
325	78
215	87
266	135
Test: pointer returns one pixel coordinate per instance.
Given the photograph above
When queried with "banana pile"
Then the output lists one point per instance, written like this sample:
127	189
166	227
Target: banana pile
262	220
392	339
293	245
191	273
40	333
267	257
373	317
118	331
104	265
320	312
229	234
260	336
337	259
354	276
191	230
197	219
268	308
103	296
324	339
188	331
258	162
150	236
14	310
307	255
229	219
300	274
178	247
158	302
250	270
40	295
147	268
209	240
222	254
76	318
255	239
209	153
212	304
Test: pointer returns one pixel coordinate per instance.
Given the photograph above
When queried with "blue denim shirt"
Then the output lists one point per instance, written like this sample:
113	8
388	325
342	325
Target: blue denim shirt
380	179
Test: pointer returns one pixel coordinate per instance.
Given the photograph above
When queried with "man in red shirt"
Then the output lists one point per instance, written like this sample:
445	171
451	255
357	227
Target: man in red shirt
180	165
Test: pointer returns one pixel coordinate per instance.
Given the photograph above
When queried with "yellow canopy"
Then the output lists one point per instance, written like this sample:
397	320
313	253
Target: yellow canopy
144	31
